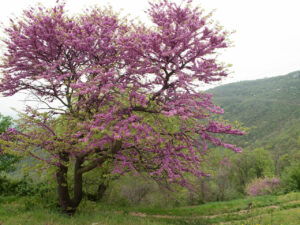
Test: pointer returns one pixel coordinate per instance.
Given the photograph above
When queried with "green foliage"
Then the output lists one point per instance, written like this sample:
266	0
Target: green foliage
269	106
6	161
22	187
250	165
140	190
5	123
291	178
263	164
97	181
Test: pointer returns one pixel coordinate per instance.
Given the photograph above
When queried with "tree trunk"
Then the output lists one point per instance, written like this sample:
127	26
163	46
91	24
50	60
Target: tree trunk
101	190
67	204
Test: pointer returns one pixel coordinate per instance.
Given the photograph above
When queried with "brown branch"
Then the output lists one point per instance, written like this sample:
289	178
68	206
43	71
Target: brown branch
41	159
92	165
115	148
143	109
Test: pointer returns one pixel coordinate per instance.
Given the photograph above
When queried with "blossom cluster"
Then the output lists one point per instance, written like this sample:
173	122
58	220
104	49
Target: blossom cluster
263	186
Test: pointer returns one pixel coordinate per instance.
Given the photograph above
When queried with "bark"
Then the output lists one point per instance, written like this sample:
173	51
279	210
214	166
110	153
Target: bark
63	192
68	204
77	189
101	190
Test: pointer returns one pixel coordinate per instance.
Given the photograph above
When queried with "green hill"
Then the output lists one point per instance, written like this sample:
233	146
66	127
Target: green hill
270	106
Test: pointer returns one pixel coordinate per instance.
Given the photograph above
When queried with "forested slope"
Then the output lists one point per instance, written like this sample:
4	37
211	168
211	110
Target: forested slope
270	106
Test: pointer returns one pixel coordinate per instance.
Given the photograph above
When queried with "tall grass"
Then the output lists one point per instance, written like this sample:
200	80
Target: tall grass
33	210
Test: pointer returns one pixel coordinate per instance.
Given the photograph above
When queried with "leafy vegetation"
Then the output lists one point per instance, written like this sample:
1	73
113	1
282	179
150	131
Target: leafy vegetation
270	107
6	160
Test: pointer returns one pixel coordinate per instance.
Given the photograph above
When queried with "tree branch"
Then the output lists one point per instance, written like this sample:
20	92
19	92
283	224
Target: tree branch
97	162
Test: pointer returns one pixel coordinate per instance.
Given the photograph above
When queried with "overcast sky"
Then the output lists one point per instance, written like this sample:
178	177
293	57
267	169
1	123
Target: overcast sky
266	38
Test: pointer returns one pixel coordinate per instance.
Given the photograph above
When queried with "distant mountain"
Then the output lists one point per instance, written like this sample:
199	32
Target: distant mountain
271	106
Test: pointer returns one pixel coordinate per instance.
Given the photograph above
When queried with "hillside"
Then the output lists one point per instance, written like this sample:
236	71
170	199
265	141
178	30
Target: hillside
270	106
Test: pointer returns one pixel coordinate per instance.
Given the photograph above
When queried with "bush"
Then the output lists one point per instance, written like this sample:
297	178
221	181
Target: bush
263	186
15	187
22	187
136	191
291	178
139	190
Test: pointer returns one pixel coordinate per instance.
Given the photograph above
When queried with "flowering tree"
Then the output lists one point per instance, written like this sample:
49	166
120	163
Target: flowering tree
128	94
263	186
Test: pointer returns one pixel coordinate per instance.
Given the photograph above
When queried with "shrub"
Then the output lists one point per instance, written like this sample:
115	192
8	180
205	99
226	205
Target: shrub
22	187
131	190
291	178
263	186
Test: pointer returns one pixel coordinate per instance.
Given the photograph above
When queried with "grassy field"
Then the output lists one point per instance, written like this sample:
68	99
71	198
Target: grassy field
284	209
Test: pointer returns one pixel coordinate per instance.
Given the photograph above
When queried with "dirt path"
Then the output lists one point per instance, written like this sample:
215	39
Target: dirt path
205	217
240	212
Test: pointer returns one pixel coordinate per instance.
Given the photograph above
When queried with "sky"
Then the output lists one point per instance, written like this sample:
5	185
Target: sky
266	38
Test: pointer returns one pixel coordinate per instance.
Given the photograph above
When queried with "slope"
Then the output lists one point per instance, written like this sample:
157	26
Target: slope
270	107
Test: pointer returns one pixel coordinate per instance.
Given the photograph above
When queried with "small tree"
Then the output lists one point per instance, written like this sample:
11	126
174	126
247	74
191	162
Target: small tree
251	164
6	160
5	123
127	94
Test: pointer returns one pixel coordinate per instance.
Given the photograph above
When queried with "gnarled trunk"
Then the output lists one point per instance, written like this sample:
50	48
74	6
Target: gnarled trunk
68	204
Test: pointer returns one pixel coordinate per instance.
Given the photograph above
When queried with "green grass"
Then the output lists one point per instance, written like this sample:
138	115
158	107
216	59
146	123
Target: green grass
284	209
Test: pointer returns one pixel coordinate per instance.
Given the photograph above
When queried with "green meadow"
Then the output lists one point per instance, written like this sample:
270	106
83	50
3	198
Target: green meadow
283	209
